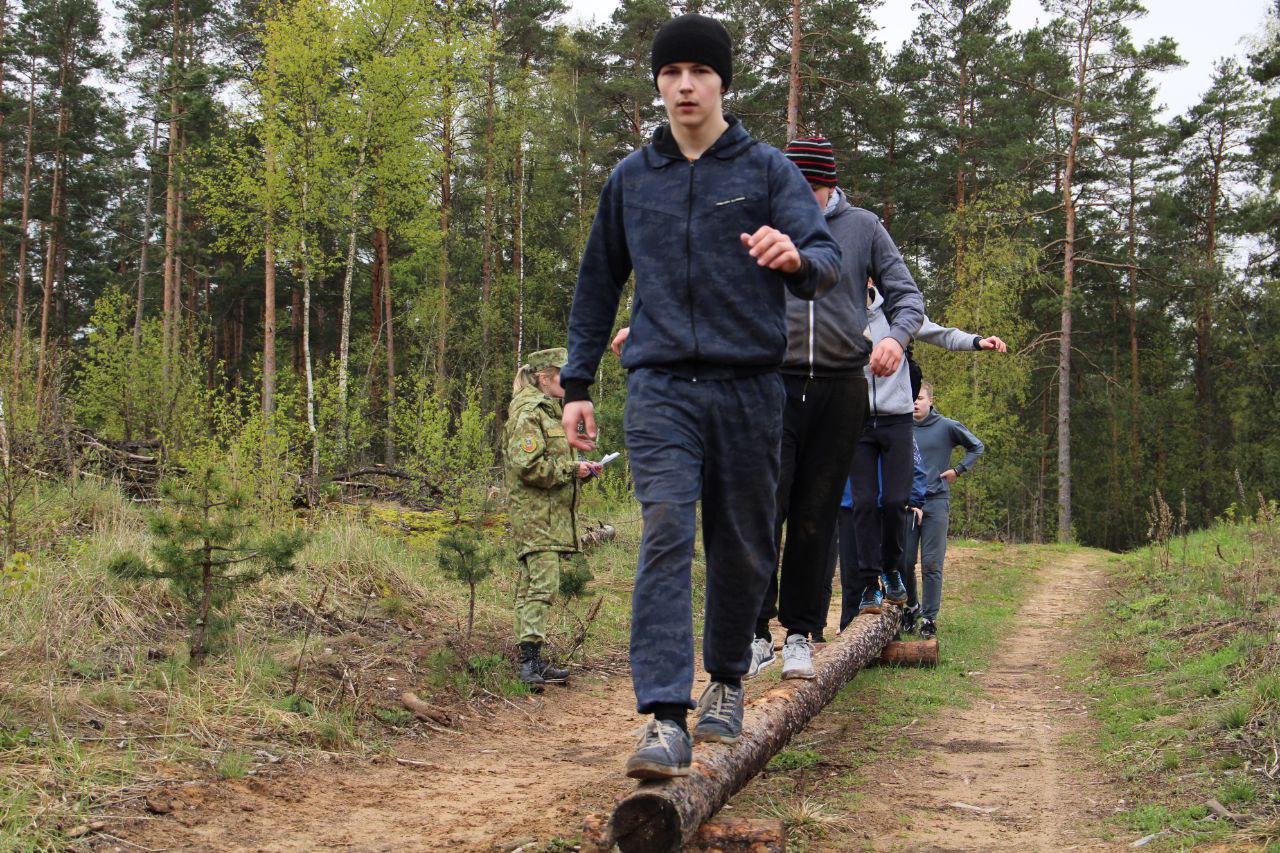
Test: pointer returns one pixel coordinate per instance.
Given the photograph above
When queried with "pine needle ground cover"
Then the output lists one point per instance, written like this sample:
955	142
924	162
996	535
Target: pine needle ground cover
100	705
1185	671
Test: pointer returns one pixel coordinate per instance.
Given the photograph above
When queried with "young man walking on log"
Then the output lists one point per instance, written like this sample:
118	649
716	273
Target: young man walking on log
937	437
717	227
827	349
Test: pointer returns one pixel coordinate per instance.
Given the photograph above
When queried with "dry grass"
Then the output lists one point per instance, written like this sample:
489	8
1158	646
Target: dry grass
98	704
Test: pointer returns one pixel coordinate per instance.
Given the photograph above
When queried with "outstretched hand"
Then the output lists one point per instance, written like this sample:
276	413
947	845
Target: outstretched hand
773	249
993	343
580	413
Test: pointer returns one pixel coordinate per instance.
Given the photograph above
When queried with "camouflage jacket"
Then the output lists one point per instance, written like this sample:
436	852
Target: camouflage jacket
541	473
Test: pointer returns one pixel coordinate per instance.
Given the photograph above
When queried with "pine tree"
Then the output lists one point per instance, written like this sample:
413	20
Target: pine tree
207	547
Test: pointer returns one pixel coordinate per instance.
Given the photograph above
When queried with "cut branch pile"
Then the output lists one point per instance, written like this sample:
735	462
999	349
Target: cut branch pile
135	465
394	485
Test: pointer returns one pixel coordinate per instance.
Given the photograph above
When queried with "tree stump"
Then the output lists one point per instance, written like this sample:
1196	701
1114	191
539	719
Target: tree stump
664	816
916	653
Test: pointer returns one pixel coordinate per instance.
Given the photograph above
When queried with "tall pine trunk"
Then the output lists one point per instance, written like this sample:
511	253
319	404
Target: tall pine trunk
446	204
141	299
793	89
53	252
23	240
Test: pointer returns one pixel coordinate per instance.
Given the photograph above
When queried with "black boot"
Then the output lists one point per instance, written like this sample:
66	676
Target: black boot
531	666
549	673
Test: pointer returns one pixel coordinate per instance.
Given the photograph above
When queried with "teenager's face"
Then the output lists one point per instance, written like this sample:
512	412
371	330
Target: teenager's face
822	194
691	92
923	403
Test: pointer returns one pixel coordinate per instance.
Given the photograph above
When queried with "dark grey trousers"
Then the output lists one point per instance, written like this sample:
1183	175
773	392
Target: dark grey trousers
929	539
717	441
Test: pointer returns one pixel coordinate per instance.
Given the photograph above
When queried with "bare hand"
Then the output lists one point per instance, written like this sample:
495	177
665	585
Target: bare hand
773	249
584	414
993	343
886	357
620	339
919	514
950	475
589	469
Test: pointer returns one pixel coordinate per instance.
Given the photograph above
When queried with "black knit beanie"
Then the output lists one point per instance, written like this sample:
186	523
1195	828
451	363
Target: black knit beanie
694	38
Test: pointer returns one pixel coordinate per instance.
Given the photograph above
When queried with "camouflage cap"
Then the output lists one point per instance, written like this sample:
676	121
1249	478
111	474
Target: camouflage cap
547	358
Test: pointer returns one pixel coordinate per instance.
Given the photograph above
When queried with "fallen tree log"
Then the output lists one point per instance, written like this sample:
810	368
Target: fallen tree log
915	653
722	835
663	816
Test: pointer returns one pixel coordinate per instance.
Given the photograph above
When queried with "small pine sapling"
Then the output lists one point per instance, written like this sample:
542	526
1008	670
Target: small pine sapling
464	555
207	547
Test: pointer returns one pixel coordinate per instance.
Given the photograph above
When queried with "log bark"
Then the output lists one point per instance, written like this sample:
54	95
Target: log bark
660	816
918	653
722	835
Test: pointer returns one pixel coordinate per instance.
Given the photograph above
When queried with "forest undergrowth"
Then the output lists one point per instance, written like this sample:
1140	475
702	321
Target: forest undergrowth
100	705
1185	673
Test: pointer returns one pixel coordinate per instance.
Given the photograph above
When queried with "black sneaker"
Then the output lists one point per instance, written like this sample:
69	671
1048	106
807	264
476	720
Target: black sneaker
663	751
719	714
895	591
928	629
910	617
872	601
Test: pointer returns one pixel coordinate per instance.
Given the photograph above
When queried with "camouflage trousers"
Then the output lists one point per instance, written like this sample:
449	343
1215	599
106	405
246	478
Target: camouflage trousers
539	578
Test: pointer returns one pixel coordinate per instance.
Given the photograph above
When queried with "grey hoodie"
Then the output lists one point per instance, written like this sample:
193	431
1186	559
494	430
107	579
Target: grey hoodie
891	395
936	437
827	337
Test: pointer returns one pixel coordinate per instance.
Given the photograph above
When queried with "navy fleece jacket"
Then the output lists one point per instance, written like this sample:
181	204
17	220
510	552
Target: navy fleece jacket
936	437
703	309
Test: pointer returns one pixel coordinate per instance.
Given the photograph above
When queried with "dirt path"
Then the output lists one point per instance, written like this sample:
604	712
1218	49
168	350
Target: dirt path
534	770
537	767
1004	753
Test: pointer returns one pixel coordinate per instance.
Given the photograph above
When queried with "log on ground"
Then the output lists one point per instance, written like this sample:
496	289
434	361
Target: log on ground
664	816
721	835
914	653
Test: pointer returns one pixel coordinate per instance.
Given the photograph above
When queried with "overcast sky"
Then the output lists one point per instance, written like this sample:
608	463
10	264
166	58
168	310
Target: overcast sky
1205	32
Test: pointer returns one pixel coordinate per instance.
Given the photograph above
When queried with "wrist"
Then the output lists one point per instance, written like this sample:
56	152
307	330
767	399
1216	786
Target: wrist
977	342
576	391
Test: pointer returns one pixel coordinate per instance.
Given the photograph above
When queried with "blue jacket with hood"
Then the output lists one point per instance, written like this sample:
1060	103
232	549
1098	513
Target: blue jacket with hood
703	309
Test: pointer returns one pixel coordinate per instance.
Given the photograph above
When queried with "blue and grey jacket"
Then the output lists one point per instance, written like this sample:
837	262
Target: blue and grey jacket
827	337
936	437
890	396
703	309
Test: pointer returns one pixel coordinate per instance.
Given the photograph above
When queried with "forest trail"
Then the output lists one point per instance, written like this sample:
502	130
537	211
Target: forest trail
537	767
1006	751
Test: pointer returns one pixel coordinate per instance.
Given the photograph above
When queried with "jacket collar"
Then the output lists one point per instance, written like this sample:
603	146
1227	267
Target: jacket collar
663	150
929	418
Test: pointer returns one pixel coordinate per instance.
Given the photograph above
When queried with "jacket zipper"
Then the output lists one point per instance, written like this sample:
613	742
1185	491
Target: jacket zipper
688	267
804	395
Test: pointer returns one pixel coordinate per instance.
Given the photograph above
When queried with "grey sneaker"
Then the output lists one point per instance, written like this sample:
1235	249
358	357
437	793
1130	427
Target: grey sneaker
719	714
797	657
761	655
663	751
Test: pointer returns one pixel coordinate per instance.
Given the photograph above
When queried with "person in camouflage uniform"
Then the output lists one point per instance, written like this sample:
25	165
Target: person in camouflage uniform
542	474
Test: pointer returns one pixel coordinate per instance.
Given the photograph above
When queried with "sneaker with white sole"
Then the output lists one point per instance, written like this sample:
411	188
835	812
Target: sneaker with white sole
797	657
761	656
663	751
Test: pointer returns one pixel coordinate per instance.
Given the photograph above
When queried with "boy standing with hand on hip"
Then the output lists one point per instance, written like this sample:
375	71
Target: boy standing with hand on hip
716	227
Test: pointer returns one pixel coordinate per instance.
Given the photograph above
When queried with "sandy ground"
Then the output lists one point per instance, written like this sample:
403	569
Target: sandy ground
1003	755
537	767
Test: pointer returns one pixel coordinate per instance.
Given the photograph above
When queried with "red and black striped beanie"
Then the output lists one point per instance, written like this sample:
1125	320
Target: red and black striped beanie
816	159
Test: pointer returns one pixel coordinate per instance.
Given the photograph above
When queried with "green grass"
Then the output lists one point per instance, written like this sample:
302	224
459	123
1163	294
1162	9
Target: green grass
1185	667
